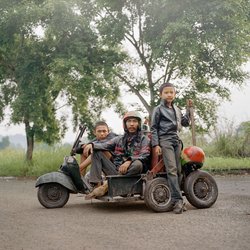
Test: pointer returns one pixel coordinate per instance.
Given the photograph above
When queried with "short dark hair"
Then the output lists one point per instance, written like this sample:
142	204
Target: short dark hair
164	85
101	123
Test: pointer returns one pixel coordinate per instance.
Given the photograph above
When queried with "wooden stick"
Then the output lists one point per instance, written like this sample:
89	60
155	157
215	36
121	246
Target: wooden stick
192	125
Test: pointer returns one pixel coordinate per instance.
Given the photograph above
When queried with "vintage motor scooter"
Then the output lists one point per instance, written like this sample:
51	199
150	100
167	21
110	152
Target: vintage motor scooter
198	186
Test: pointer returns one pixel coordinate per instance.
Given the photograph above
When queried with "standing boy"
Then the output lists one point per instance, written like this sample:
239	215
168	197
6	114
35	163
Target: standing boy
166	122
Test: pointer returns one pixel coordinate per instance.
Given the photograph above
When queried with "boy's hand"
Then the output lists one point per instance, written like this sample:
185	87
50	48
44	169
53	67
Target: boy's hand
190	103
88	149
158	150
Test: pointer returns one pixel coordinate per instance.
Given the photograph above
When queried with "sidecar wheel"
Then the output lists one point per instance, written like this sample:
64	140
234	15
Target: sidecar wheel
52	195
157	195
201	189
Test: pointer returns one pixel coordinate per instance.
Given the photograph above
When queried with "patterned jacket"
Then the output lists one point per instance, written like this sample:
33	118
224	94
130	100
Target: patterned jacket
125	147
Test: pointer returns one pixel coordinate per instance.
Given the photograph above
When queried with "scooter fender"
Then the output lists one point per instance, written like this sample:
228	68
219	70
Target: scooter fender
57	177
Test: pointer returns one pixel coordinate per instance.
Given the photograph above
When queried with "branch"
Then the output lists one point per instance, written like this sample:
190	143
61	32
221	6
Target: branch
166	70
135	91
165	74
168	73
140	29
5	64
133	41
61	106
158	80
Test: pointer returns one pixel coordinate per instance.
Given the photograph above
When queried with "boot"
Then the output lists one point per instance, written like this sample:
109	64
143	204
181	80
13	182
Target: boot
179	207
98	192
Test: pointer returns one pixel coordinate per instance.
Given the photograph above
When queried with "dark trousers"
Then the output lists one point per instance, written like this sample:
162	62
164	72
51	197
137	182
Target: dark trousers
171	152
100	163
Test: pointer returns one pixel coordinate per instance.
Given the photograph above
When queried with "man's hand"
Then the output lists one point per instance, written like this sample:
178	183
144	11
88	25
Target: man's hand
158	150
123	169
189	103
87	150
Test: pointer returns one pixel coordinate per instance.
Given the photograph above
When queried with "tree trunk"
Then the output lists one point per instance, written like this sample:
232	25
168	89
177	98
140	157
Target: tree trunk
30	147
30	141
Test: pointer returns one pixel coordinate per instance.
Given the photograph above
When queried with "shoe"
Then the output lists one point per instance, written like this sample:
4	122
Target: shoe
184	207
98	192
178	207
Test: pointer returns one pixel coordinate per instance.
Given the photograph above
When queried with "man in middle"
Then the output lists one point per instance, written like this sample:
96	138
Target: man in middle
131	152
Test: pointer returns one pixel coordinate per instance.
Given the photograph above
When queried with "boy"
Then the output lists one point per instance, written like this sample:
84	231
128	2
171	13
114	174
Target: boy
101	132
165	124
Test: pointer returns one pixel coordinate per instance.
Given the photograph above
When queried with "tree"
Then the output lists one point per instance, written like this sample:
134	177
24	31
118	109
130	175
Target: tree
5	142
197	44
65	60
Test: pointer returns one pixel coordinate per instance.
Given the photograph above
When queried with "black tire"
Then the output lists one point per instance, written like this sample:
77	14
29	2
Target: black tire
201	189
157	195
52	195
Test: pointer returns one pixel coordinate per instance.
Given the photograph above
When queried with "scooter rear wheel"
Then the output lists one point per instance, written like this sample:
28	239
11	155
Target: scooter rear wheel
52	195
157	195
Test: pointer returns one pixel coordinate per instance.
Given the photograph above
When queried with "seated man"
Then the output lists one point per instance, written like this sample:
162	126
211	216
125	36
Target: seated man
131	153
102	134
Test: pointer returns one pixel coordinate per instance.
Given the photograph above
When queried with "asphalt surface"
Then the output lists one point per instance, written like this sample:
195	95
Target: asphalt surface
25	224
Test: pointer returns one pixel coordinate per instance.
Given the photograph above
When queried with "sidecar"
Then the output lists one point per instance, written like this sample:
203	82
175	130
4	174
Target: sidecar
197	185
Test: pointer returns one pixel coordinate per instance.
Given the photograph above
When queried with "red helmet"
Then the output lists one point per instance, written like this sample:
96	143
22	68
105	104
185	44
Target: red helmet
193	154
132	114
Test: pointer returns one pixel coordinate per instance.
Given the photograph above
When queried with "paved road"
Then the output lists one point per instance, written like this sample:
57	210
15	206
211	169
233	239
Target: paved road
25	224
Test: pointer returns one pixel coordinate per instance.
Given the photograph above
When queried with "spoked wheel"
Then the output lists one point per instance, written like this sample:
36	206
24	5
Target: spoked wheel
201	189
52	195
157	195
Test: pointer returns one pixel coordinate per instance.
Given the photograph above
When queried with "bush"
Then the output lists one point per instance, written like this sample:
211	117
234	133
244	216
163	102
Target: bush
243	134
230	142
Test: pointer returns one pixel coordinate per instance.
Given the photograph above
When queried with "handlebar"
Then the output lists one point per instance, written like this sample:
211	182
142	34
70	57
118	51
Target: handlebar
81	130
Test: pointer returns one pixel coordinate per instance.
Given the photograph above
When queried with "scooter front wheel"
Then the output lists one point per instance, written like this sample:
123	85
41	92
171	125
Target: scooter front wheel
52	195
201	189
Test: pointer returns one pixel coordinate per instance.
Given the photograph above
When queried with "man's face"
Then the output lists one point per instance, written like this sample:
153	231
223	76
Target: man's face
101	132
168	94
132	125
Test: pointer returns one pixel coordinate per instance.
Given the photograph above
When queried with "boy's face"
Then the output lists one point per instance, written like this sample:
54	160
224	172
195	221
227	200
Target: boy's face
101	132
132	125
168	94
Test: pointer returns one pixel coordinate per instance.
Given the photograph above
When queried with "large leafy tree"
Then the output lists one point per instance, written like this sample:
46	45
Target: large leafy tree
198	45
49	51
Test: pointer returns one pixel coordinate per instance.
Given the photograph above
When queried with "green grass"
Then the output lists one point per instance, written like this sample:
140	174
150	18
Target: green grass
213	164
12	162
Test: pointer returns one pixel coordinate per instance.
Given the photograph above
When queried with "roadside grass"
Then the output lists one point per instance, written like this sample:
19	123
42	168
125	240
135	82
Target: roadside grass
226	164
12	162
